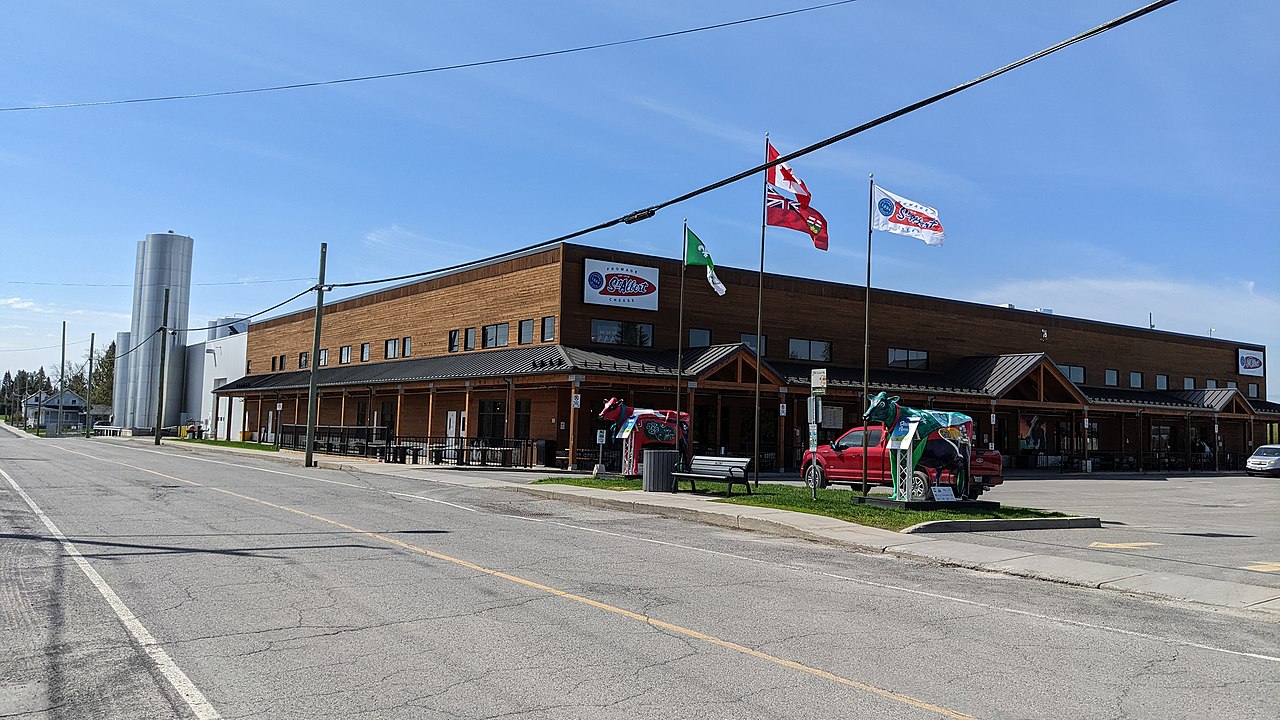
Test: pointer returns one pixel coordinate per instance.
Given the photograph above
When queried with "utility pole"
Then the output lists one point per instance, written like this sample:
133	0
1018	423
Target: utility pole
164	345
315	361
62	379
88	393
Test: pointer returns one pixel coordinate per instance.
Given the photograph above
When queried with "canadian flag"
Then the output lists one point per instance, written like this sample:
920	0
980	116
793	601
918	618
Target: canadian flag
782	177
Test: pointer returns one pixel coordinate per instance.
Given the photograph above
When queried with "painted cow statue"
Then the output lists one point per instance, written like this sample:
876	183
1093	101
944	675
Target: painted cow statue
944	442
640	429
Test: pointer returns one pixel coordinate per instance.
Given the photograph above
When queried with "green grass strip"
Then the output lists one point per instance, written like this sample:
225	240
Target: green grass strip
228	444
830	503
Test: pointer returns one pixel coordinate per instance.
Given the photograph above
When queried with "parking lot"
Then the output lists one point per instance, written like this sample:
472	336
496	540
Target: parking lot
1219	527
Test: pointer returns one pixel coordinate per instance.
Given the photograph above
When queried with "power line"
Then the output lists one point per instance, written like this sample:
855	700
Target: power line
237	321
46	347
441	68
205	284
648	212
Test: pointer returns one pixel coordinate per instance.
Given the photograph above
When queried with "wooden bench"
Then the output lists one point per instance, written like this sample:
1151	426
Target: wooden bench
710	468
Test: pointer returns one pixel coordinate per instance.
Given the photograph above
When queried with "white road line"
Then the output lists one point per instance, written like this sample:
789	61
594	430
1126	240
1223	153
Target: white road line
165	664
797	568
421	497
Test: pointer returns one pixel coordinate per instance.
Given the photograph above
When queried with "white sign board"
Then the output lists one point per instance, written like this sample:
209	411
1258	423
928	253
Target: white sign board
943	493
1251	363
632	286
818	381
813	437
901	435
599	437
279	406
577	400
782	409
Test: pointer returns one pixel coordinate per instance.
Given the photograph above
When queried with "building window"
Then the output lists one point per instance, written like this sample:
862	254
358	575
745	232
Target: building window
273	367
453	341
1232	384
391	349
469	339
699	337
1211	384
344	354
493	420
616	332
816	350
495	335
364	352
248	367
1074	373
1188	383
1253	390
526	331
909	359
524	413
1113	378
282	357
1135	379
549	328
749	339
406	347
324	357
1162	382
304	360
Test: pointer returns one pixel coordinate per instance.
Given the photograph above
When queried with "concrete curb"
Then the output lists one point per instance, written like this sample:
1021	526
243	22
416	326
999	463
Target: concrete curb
1004	524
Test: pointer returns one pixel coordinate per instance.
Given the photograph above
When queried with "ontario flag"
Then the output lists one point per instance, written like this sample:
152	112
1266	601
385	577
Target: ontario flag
781	211
782	177
905	217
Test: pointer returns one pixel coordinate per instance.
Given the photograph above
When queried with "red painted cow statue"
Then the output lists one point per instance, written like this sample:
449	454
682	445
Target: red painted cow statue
640	428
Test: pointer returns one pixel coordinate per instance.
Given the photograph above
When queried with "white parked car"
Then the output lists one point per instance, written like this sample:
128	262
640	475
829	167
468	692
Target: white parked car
1264	461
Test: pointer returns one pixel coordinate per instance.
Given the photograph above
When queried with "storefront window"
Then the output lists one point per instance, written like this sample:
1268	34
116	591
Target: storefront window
910	359
617	332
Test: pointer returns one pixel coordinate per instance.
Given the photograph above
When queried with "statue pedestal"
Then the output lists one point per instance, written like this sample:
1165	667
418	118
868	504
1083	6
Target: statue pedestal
885	502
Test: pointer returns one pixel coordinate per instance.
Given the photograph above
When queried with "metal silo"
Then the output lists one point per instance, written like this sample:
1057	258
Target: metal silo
163	261
120	382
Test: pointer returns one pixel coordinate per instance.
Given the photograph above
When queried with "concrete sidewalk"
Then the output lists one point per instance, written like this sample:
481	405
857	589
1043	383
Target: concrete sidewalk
818	528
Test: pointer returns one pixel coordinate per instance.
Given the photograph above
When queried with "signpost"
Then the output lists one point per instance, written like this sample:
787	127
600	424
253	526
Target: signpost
598	470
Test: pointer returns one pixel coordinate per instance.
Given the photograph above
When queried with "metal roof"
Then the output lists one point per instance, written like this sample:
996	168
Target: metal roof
1139	398
505	362
994	375
895	380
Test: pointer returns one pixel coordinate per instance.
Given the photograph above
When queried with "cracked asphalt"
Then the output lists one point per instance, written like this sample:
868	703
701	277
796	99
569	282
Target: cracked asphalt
284	592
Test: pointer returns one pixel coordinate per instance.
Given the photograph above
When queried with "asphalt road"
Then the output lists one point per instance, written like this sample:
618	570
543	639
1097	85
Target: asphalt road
194	584
1213	526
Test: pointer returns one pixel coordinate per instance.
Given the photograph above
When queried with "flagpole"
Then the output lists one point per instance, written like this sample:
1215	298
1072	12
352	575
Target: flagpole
866	325
764	217
684	261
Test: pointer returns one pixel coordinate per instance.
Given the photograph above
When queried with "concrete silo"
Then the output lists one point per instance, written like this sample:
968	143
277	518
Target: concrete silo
163	262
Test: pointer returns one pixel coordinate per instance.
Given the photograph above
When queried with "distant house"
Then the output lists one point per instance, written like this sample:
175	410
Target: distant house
52	410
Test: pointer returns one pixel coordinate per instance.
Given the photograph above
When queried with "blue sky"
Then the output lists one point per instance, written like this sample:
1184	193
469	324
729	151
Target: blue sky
1132	173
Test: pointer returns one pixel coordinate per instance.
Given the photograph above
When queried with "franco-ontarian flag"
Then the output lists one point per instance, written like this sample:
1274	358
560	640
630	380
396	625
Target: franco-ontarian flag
695	253
905	217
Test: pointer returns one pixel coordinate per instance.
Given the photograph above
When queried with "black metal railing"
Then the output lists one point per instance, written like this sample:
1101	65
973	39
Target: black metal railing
372	441
1110	461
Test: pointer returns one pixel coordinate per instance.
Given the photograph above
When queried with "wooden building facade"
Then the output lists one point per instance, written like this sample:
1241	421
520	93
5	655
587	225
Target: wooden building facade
502	349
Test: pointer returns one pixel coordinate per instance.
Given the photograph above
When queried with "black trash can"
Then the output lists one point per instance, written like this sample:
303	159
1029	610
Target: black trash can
658	468
545	453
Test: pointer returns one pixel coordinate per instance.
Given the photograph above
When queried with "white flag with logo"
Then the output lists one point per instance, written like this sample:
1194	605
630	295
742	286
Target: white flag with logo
896	214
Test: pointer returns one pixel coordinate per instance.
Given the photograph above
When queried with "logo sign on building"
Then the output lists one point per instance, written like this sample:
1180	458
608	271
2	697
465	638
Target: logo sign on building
633	286
1250	362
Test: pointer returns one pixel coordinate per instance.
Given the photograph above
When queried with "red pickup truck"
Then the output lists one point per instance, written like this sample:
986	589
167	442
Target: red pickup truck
841	462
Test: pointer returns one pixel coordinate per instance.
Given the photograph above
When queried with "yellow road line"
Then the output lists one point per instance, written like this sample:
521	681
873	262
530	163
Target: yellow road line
1263	567
1125	546
727	644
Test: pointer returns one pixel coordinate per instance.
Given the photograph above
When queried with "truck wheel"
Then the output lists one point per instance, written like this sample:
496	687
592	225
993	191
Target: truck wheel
813	475
919	485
